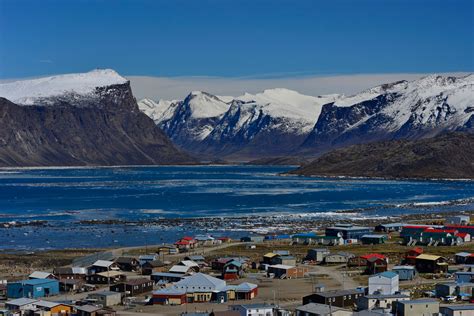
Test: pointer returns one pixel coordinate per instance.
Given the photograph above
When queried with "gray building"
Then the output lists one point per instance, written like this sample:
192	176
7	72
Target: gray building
380	301
457	310
315	309
424	307
340	257
317	255
106	298
405	272
348	231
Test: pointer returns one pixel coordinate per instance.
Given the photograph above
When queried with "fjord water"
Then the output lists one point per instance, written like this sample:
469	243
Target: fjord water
65	196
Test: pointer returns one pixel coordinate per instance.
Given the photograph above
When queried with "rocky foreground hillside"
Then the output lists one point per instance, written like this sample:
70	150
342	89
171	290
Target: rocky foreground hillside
447	156
79	119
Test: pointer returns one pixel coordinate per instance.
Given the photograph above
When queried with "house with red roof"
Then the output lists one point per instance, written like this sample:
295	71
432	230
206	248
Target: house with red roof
186	243
411	255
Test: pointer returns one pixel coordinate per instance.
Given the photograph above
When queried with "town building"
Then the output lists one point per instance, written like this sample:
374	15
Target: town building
33	288
261	309
76	273
385	283
288	272
458	220
464	276
20	306
309	238
105	298
142	259
380	301
348	231
339	257
133	287
410	255
425	263
92	310
41	275
166	277
464	258
315	309
128	263
457	310
108	277
405	272
53	308
390	227
102	266
417	307
150	267
371	239
202	288
340	298
317	254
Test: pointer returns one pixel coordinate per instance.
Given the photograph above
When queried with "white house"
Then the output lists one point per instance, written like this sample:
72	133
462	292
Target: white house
458	220
261	309
384	283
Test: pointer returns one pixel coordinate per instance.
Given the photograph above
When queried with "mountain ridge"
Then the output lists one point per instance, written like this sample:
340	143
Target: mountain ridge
98	123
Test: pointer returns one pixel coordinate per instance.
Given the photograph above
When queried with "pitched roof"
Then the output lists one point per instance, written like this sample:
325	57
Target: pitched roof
373	255
201	282
179	269
319	309
110	274
386	274
270	255
40	275
102	263
281	266
428	257
245	287
47	304
21	301
188	263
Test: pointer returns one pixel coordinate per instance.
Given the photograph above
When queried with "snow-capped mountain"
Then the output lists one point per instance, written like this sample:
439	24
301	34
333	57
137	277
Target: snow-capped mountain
417	109
79	89
280	122
258	124
78	119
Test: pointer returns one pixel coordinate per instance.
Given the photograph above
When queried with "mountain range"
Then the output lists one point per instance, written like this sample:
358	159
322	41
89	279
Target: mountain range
79	119
282	122
93	119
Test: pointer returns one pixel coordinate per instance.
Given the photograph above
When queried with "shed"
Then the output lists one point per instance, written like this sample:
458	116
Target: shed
317	254
371	239
405	272
106	298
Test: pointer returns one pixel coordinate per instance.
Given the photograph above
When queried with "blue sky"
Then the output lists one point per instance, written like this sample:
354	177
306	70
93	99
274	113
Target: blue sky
235	38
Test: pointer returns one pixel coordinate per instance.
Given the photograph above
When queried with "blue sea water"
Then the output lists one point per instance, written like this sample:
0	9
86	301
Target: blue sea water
64	196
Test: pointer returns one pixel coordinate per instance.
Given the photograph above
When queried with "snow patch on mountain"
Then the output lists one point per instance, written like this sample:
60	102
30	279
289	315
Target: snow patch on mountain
286	103
28	92
205	105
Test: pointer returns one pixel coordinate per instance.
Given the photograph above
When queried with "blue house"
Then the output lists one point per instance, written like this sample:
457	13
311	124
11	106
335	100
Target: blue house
33	288
405	272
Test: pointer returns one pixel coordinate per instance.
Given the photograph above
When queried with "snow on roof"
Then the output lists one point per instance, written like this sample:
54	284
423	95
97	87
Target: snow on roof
103	263
201	282
281	266
179	269
47	304
39	275
21	301
27	91
189	263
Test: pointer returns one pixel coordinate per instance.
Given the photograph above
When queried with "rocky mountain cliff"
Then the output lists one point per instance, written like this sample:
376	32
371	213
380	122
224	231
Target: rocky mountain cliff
447	156
79	119
274	122
281	122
